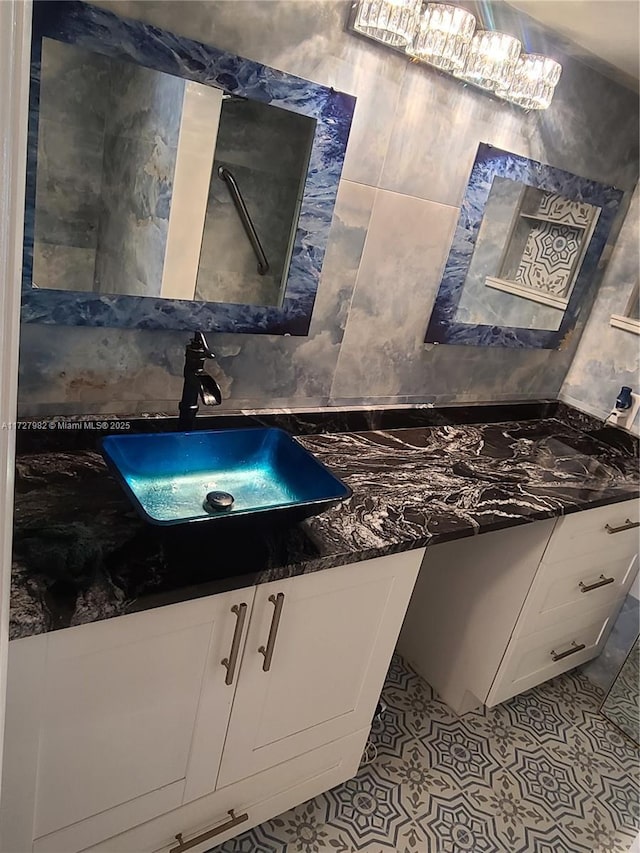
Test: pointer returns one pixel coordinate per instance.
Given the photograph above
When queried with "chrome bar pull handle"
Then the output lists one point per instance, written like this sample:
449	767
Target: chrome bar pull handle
234	820
277	601
575	647
249	228
628	525
231	662
602	581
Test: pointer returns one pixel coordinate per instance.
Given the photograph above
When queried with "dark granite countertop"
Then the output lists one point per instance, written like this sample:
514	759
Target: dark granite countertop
81	554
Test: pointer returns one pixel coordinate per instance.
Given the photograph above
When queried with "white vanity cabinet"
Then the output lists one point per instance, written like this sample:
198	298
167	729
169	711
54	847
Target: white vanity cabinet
325	652
205	717
101	719
587	568
495	615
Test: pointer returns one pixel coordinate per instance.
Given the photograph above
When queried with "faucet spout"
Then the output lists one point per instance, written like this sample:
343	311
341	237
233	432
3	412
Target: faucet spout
210	392
197	382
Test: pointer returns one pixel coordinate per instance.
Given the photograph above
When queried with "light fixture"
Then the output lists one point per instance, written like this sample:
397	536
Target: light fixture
443	36
534	81
392	22
491	60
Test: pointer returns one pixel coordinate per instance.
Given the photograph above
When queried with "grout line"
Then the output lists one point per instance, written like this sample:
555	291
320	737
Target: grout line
404	195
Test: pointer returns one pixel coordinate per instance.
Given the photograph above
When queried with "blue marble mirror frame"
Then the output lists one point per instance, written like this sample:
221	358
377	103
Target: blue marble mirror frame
491	162
103	32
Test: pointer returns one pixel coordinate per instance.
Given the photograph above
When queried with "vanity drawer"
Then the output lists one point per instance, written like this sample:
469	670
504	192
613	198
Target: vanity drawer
614	529
260	798
535	658
565	590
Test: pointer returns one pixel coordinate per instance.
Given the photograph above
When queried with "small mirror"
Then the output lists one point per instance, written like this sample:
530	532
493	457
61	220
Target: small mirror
528	254
525	252
149	184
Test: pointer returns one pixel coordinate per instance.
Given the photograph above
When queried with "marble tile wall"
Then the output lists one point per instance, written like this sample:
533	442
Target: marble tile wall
73	106
140	151
606	357
414	138
108	136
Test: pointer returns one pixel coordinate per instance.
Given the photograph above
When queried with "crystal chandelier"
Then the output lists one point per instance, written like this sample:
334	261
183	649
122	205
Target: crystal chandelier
443	36
491	60
534	81
392	22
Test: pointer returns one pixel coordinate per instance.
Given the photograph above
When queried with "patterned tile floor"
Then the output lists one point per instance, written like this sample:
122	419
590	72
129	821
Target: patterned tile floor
542	773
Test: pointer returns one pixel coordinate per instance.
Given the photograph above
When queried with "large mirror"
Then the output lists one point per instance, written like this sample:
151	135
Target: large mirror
170	184
525	252
152	185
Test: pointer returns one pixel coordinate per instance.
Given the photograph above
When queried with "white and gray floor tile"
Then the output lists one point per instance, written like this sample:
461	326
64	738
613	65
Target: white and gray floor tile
542	773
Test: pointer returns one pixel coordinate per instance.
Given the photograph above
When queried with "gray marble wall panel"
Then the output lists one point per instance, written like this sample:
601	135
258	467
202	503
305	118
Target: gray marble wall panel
439	124
140	149
413	140
68	184
73	107
303	37
608	358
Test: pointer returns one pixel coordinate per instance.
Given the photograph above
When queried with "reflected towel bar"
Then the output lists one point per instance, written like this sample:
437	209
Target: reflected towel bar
243	213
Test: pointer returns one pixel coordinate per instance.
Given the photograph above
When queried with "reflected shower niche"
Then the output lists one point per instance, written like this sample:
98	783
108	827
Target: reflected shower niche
525	253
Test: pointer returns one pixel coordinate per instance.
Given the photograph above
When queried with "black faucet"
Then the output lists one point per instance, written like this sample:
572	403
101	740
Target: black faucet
197	382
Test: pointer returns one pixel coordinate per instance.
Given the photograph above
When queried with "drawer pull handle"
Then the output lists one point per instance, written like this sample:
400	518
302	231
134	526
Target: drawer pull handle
602	581
234	820
230	663
277	601
628	525
575	647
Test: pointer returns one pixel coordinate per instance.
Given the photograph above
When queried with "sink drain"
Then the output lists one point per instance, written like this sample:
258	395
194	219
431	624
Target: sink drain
218	501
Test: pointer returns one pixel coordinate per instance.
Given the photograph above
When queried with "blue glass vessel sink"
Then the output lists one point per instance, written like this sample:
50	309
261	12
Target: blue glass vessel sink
208	475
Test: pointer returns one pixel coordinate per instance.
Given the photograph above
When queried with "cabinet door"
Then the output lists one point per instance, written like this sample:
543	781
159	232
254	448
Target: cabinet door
120	702
317	652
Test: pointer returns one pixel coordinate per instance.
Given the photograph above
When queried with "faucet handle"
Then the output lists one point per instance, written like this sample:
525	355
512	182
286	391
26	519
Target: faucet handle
199	344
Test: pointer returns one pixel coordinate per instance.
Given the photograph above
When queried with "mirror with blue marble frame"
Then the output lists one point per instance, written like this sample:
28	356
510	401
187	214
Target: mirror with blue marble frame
170	184
524	254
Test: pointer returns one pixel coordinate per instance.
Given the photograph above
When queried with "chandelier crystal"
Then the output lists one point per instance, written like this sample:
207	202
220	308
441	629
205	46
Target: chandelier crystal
534	82
392	22
443	36
491	60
